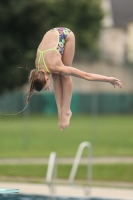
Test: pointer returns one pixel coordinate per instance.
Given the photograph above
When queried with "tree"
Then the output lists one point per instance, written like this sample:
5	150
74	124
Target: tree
23	24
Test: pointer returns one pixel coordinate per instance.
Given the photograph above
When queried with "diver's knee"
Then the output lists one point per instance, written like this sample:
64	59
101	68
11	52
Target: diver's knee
66	78
55	76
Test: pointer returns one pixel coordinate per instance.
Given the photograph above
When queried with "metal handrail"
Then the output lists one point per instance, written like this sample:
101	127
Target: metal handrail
51	174
76	164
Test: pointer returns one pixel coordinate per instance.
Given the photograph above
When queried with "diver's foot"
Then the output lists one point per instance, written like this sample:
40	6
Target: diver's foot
65	120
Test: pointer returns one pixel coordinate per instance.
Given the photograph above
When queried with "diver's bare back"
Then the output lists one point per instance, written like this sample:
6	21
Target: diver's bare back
49	41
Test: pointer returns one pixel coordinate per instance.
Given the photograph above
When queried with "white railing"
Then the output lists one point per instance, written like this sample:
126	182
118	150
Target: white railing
89	168
51	174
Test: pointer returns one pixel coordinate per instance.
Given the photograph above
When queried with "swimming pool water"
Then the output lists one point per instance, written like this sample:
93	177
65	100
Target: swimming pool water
39	197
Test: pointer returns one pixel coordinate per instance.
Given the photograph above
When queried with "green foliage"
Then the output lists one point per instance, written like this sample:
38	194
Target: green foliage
23	24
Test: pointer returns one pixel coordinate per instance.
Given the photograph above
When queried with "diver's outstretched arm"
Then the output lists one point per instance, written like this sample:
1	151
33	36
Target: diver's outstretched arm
64	70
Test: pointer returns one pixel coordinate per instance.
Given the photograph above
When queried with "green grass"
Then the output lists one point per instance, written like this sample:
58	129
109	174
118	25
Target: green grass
102	172
38	135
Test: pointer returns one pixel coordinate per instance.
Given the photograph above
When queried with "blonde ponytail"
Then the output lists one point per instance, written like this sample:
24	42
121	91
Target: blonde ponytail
37	82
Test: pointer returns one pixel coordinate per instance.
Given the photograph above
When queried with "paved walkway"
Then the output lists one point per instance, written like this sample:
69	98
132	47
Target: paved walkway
67	191
95	160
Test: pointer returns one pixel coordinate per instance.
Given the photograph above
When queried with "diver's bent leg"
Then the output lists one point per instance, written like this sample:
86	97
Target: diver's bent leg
57	83
67	95
67	85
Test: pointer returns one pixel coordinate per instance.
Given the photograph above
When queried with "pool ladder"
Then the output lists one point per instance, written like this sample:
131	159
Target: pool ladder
52	169
51	175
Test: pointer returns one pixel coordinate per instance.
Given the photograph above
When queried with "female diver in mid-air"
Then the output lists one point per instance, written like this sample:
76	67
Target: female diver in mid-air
54	56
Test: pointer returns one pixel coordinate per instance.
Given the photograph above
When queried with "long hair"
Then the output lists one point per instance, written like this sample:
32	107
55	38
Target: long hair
37	82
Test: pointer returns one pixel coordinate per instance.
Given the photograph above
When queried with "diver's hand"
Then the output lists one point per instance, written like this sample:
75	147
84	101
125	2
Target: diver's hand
115	82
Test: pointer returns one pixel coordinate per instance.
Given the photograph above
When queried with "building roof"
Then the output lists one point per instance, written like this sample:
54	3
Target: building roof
122	11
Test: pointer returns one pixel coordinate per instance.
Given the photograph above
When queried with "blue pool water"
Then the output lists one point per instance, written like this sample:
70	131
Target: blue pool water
39	197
